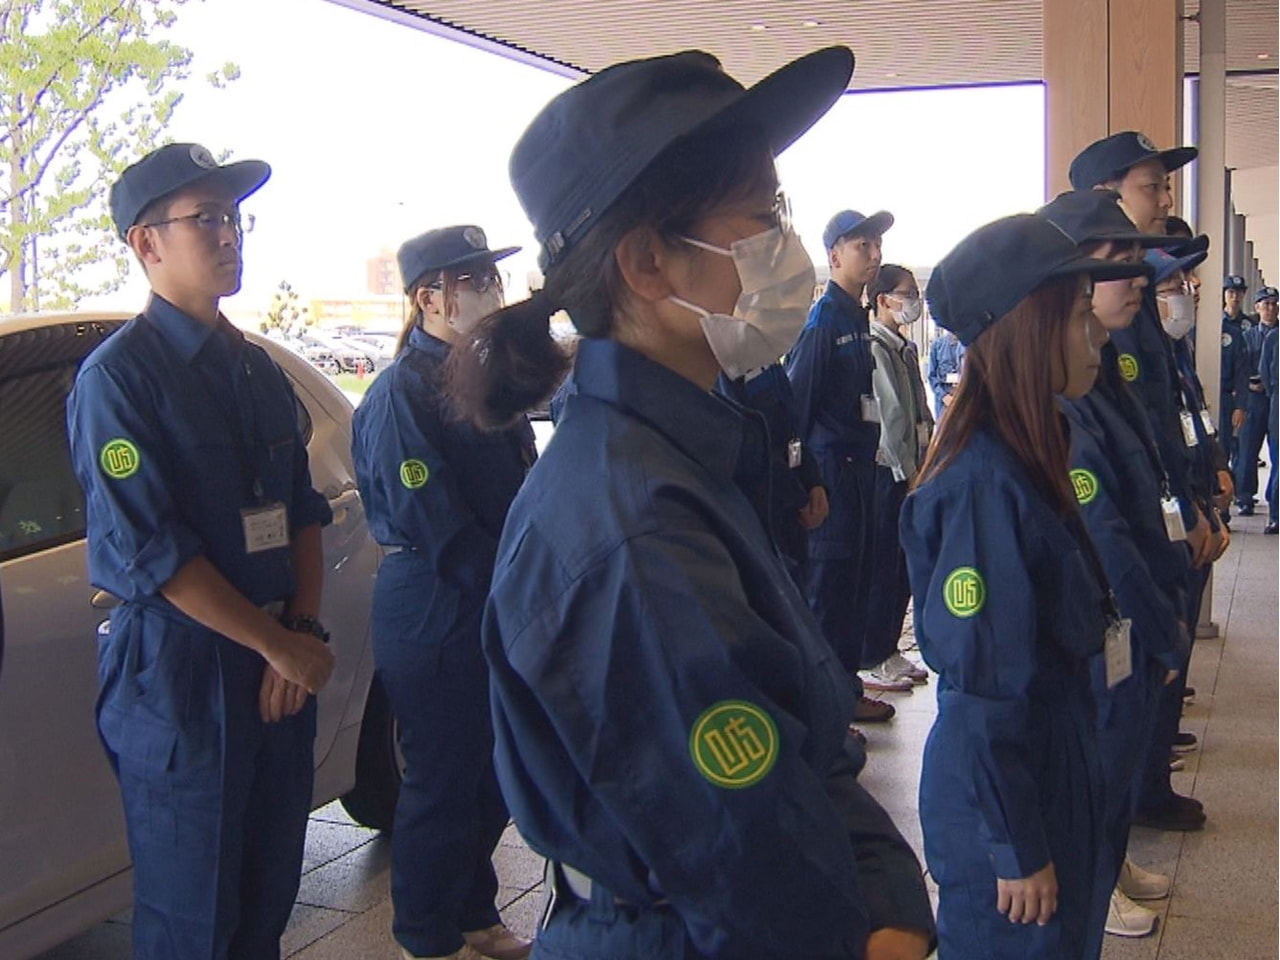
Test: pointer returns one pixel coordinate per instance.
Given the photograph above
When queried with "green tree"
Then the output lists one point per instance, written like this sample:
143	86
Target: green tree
285	314
86	88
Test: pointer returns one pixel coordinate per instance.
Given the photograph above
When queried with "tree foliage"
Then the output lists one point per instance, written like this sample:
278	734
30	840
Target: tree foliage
285	314
86	88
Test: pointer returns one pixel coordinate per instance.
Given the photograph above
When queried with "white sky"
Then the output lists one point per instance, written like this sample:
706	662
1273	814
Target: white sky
376	132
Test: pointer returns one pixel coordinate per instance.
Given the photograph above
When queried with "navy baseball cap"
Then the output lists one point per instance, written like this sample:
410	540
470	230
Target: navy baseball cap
169	169
846	223
592	142
444	248
1108	159
1266	293
1234	281
998	266
1095	216
1186	257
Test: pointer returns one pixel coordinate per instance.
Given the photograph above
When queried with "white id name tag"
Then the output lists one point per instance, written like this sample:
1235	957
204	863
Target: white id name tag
1189	429
793	454
1206	418
1119	653
951	378
870	410
265	528
1173	524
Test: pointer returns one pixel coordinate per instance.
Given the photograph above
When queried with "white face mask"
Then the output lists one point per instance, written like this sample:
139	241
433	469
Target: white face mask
474	307
777	280
911	311
1180	314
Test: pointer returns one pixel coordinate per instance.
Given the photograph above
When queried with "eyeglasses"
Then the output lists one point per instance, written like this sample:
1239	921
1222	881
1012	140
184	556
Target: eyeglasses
1186	287
481	281
212	222
781	212
906	296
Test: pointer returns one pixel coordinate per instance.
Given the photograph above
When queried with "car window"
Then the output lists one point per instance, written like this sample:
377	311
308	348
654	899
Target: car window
41	503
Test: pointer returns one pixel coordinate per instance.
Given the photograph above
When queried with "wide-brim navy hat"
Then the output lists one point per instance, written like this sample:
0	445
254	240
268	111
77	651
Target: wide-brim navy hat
592	142
1266	293
442	249
1108	159
1234	282
848	223
172	167
1186	256
999	265
1095	216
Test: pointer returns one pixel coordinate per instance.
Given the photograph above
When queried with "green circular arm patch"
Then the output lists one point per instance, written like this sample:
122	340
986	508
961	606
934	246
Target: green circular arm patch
413	474
119	459
1128	364
1085	486
734	744
964	592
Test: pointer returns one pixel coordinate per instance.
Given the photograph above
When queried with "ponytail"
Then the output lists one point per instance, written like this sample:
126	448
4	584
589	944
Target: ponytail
511	363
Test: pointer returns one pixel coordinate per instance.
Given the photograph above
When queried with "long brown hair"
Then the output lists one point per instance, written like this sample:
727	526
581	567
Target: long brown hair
1007	385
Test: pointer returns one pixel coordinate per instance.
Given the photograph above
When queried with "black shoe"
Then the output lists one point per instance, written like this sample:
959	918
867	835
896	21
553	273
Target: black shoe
1271	529
1245	510
1188	695
1185	742
1180	814
1225	517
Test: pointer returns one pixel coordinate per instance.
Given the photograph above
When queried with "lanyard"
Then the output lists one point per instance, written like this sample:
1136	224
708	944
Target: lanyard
1076	527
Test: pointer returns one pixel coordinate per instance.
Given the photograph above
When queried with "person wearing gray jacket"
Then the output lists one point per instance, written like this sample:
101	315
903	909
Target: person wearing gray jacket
906	427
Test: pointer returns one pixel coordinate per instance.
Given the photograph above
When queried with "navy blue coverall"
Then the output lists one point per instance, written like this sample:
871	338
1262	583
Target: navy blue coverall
175	428
1233	381
436	492
1008	612
669	721
830	372
1256	414
793	471
1119	481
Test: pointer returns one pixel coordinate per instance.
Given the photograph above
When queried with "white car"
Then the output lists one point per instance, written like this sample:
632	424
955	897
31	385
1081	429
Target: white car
64	863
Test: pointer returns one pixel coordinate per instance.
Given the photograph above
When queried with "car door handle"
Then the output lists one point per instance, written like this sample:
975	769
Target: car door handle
103	600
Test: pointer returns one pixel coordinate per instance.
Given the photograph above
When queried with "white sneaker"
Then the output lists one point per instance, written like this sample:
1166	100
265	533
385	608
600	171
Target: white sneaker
1126	919
873	679
1138	884
462	953
899	666
498	942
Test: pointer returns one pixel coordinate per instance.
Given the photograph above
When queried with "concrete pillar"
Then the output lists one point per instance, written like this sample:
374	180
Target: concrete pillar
1214	207
1109	65
1235	248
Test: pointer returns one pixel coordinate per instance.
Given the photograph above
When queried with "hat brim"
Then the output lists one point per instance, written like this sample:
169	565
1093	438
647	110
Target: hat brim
1147	241
875	225
472	257
1101	270
1176	157
790	100
241	179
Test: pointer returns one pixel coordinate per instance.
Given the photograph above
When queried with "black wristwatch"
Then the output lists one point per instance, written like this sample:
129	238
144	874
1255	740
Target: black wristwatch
305	624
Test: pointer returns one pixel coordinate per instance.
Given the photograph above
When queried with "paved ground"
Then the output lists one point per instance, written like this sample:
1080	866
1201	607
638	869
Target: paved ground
1224	902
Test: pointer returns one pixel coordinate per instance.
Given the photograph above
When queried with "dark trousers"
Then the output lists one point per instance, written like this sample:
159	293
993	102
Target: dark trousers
1155	788
890	590
1226	433
450	814
1252	434
837	574
215	800
1273	509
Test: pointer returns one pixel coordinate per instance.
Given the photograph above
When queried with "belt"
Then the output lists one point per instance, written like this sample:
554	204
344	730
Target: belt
560	878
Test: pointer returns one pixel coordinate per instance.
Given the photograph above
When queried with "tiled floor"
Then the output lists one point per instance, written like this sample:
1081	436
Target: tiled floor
1224	902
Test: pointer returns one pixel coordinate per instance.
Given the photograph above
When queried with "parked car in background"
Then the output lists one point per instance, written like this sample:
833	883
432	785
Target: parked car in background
64	862
350	357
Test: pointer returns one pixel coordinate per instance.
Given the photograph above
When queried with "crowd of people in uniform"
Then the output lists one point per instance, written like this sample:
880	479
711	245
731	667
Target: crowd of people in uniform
650	645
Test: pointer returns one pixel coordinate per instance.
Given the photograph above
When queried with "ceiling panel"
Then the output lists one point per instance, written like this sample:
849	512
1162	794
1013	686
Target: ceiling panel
899	43
1252	35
